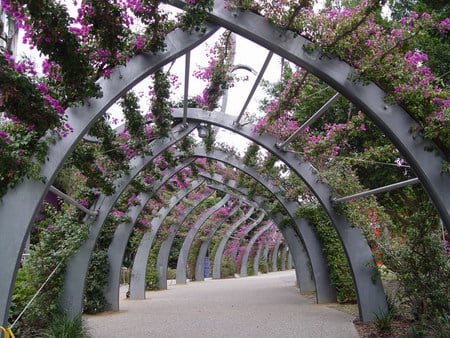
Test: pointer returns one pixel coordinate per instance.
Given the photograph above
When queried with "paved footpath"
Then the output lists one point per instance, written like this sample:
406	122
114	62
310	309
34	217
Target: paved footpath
267	305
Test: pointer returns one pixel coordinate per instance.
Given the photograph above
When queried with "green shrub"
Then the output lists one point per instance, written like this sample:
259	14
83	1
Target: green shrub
171	273
338	267
63	326
58	237
228	268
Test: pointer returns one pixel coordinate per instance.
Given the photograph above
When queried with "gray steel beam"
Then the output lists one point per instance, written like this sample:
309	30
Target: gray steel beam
221	247
248	248
138	272
202	253
303	266
291	263
182	262
255	86
162	260
249	228
377	190
116	249
266	254
311	120
325	292
369	290
275	253
20	205
78	264
391	118
71	201
256	259
284	254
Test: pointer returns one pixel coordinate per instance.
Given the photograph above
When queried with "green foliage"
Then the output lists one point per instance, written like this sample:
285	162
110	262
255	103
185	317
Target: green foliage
63	326
171	273
59	236
195	15
134	119
192	258
151	276
228	268
161	104
383	321
18	145
337	262
263	265
97	279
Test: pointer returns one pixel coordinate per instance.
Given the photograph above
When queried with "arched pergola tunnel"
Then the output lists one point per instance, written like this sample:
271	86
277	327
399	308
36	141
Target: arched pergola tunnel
20	206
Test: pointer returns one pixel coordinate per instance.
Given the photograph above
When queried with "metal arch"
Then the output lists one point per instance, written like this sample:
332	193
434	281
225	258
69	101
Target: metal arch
200	263
325	293
284	254
162	260
221	247
256	259
138	272
78	264
266	254
250	228
243	272
290	264
20	207
182	262
392	119
307	237
275	253
116	249
369	290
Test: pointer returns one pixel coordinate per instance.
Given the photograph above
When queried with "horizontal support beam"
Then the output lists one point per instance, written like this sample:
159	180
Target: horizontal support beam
70	200
377	190
310	121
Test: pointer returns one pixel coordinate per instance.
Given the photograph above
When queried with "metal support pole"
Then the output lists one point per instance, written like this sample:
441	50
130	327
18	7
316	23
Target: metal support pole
186	86
377	190
70	200
313	118
255	85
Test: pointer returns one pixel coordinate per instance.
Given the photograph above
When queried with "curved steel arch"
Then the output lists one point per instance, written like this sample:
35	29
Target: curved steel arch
284	254
78	264
181	276
369	290
116	249
392	119
202	252
162	260
305	277
311	246
259	233
221	247
20	207
250	228
138	272
275	252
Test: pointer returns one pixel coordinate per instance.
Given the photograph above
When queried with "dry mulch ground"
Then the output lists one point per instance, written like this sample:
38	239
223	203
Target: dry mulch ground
370	330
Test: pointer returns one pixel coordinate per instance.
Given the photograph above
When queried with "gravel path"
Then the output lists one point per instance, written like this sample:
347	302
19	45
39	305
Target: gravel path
262	306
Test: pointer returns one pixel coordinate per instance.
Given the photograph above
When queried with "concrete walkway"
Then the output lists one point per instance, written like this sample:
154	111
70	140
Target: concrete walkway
262	306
